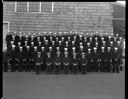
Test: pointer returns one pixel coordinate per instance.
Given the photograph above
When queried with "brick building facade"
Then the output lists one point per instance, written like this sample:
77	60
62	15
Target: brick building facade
59	16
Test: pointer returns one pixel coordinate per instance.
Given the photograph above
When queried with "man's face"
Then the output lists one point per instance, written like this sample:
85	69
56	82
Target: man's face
35	49
111	43
89	51
83	56
108	50
58	54
21	49
38	54
102	50
48	55
13	48
5	50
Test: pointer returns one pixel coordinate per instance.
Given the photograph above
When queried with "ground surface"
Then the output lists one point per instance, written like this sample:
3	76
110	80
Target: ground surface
28	85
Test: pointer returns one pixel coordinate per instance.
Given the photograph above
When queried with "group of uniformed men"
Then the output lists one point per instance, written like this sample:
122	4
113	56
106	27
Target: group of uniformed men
62	53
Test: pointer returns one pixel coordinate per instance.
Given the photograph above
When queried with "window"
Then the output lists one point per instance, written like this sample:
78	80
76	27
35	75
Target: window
21	7
46	6
34	7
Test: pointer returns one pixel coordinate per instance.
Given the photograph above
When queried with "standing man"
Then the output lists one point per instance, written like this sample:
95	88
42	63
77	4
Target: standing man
108	60
12	59
57	63
49	63
5	60
96	59
20	69
66	63
83	63
116	60
38	63
90	60
75	64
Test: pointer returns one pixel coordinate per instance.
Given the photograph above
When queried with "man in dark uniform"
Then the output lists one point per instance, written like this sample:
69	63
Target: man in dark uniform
88	45
21	39
102	39
73	44
29	39
26	43
20	68
32	38
5	60
108	59
33	53
66	44
12	43
27	57
32	44
102	59
62	39
83	63
61	47
53	46
51	38
75	64
120	50
31	57
17	38
43	54
81	50
26	37
111	44
12	59
57	63
80	38
90	39
53	52
38	63
103	43
66	63
35	40
73	50
46	46
109	38
38	38
13	39
19	44
95	59
8	39
69	39
49	63
90	60
17	62
115	59
39	46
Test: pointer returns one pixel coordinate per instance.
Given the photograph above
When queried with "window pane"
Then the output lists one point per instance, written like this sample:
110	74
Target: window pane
46	6
21	6
34	6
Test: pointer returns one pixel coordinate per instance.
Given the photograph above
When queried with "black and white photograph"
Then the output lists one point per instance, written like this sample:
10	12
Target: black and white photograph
63	50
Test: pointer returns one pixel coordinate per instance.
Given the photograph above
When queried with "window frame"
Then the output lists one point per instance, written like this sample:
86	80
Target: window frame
19	11
49	11
52	10
34	12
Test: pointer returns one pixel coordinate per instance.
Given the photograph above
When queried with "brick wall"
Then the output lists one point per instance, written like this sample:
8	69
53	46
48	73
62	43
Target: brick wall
66	16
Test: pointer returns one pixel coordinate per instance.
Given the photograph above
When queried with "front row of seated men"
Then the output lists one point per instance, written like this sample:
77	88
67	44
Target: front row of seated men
40	61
